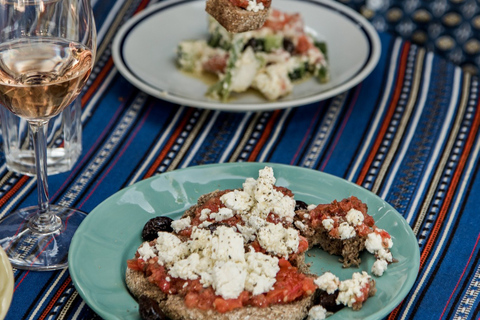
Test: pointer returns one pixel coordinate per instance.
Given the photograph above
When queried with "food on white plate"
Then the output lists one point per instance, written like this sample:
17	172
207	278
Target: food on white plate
239	15
240	254
269	60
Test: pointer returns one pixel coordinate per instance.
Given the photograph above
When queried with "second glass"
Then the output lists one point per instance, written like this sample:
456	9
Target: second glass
64	141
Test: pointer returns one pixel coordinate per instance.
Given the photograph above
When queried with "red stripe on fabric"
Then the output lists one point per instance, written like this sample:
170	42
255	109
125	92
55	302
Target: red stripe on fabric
168	145
14	189
55	298
264	136
80	163
451	191
21	280
97	82
142	6
461	276
120	154
344	123
307	134
389	115
448	198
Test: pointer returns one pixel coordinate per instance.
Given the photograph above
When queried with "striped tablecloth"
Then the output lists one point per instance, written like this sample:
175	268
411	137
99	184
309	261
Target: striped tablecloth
409	133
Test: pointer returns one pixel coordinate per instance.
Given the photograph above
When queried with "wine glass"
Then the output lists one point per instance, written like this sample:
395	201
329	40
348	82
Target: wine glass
47	51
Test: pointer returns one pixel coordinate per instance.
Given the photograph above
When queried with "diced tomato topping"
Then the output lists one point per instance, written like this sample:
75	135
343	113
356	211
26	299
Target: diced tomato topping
303	44
302	244
216	64
135	264
290	285
240	3
363	230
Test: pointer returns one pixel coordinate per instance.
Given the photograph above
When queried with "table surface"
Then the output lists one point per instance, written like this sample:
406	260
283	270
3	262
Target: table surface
408	133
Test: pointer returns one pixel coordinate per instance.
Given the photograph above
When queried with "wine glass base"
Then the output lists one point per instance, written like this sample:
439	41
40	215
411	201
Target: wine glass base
27	248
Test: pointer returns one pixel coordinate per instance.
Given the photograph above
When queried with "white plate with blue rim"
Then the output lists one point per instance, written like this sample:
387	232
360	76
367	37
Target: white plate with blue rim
144	53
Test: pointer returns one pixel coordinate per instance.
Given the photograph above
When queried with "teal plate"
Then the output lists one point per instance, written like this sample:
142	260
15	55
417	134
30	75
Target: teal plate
111	233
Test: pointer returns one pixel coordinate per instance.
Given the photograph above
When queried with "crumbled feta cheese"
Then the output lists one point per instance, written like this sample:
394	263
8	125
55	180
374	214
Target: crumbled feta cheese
186	268
239	201
205	224
373	242
379	267
346	231
273	81
311	207
306	216
204	214
146	251
181	224
327	282
300	225
262	270
247	232
354	217
227	245
317	313
254	6
270	200
351	289
222	214
384	254
229	279
328	224
276	239
170	248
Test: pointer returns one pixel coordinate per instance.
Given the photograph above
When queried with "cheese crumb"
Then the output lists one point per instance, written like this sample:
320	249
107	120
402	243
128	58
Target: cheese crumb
229	279
276	239
170	248
327	282
379	267
328	224
346	231
262	270
317	313
146	251
355	217
222	214
351	289
181	224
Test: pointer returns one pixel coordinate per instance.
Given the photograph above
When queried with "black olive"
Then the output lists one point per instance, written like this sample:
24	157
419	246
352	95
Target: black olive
256	44
299	205
212	227
288	46
154	225
149	309
328	301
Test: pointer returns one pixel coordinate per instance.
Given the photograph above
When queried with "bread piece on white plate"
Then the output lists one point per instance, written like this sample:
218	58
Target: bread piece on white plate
236	19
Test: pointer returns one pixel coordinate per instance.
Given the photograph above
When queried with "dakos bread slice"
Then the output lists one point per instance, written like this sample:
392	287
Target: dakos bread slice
234	18
174	305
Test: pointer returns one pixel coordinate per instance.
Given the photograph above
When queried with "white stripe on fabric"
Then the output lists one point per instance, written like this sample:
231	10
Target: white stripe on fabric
469	298
274	137
438	147
200	140
446	229
98	94
79	310
381	109
236	137
18	195
416	118
158	145
47	294
112	14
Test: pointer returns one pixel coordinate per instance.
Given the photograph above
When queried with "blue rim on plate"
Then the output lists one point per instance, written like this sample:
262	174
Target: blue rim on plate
146	57
111	233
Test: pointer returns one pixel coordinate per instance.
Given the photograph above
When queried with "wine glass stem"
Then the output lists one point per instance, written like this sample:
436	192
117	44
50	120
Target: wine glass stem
45	221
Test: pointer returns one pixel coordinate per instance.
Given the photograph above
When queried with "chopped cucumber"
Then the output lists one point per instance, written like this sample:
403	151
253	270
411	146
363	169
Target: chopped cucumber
272	42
